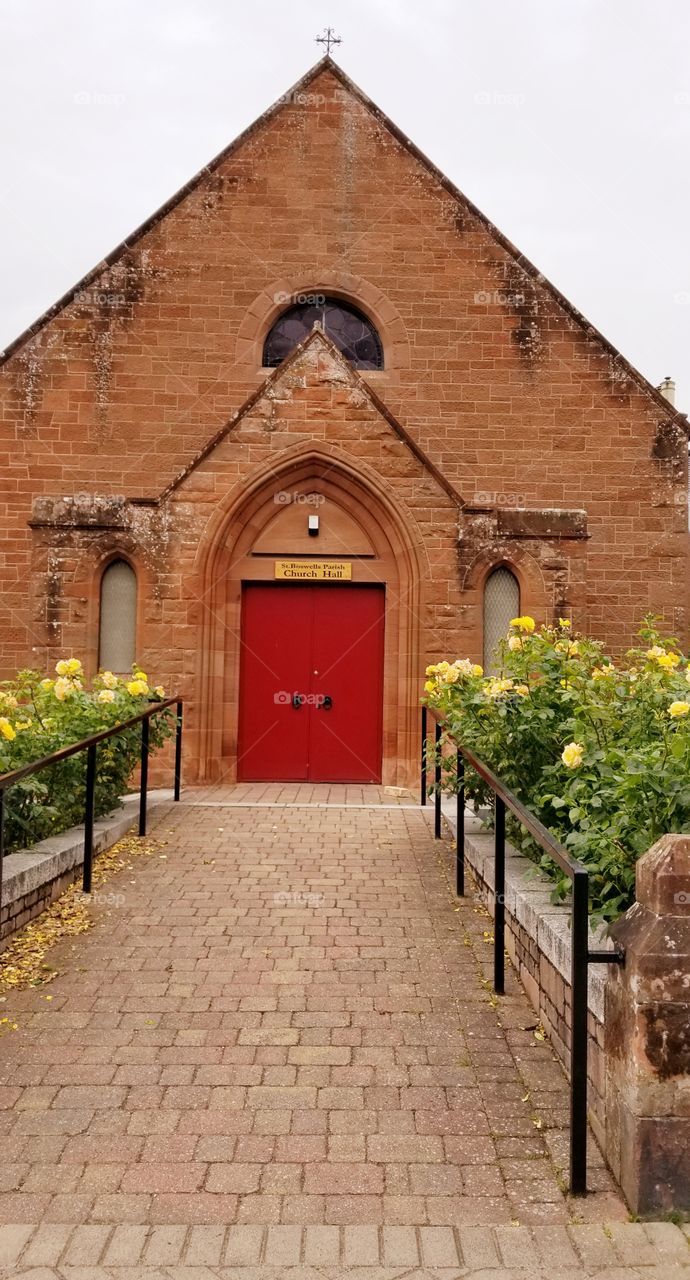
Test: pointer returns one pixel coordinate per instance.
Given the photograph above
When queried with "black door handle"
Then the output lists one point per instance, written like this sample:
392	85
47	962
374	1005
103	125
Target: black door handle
327	702
297	700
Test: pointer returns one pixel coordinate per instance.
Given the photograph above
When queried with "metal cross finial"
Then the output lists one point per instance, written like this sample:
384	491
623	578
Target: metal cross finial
328	38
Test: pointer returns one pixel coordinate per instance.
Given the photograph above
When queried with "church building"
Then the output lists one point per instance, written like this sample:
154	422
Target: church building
316	424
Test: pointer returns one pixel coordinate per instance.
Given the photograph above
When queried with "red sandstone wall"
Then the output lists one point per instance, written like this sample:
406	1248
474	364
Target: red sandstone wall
512	399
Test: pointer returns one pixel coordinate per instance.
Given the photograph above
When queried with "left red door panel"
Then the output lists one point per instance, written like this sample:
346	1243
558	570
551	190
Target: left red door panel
274	665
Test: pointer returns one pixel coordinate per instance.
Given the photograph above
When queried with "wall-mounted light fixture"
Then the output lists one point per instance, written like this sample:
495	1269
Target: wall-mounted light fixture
313	526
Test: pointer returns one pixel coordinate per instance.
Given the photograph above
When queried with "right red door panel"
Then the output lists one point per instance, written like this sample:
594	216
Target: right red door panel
347	668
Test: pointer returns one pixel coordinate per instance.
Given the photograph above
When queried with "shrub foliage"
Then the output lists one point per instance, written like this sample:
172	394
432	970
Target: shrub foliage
598	750
39	715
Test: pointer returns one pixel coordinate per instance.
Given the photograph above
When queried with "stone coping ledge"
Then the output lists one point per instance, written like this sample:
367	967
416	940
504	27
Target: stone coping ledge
529	901
29	869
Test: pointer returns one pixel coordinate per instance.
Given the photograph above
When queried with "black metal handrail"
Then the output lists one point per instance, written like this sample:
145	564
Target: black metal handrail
90	746
581	955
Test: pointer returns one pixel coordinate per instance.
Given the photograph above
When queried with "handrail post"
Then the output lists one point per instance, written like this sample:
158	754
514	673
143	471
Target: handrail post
178	752
437	781
499	895
578	1033
89	810
423	757
460	825
144	775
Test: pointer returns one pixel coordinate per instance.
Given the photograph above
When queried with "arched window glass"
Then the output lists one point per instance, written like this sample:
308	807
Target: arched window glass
501	603
351	332
118	617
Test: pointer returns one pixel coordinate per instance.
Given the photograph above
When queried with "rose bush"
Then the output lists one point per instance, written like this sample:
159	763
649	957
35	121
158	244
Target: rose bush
599	750
39	715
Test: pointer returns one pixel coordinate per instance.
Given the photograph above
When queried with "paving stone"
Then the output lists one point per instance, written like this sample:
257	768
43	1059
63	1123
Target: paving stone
283	1246
86	1245
126	1245
13	1238
478	1247
165	1245
515	1246
593	1244
668	1241
361	1246
399	1246
438	1247
204	1246
243	1246
47	1245
322	1246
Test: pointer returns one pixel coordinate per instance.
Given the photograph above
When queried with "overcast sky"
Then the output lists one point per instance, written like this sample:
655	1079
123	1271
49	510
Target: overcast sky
566	121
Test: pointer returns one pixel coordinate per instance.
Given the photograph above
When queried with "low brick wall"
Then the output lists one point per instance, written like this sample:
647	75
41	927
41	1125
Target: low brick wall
538	942
33	878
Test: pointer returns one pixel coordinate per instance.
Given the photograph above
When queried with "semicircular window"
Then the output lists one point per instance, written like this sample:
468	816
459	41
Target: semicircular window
347	327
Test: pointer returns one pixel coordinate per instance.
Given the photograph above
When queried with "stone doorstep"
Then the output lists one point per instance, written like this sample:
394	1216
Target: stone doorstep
528	900
29	869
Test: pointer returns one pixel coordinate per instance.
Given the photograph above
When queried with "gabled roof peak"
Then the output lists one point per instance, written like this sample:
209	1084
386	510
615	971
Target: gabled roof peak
524	264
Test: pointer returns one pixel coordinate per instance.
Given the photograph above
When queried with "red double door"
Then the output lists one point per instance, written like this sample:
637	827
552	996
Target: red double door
311	683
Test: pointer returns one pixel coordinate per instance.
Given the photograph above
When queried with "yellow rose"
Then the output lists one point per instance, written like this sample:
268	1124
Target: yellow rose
522	689
46	684
571	754
106	695
108	679
430	686
141	675
496	688
137	688
656	651
68	667
678	709
515	642
159	690
524	623
564	622
6	729
668	660
477	670
451	675
431	671
463	666
62	688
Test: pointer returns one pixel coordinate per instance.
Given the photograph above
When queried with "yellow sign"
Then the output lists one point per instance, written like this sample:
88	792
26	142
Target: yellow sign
308	570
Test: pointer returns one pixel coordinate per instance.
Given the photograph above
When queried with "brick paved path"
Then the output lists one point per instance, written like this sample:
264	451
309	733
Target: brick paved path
281	1052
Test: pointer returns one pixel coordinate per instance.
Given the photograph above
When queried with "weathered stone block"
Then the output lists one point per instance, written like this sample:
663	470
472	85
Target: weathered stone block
648	1036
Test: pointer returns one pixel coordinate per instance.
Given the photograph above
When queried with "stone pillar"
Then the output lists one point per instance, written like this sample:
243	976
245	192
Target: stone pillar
648	1036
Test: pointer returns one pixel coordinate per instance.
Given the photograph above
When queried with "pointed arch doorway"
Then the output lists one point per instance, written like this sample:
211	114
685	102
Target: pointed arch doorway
350	603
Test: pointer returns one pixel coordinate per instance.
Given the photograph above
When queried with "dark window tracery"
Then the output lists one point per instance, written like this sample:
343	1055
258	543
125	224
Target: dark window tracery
347	327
